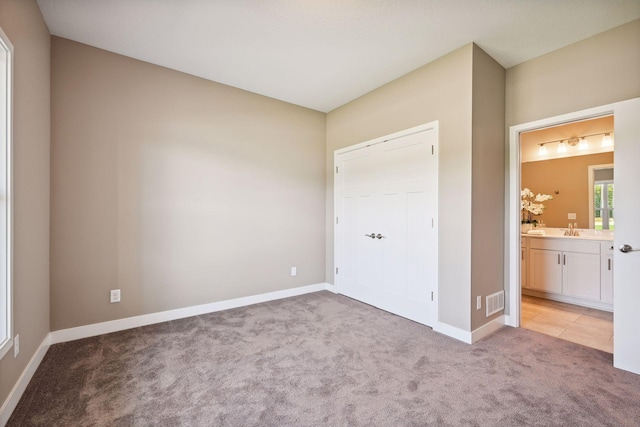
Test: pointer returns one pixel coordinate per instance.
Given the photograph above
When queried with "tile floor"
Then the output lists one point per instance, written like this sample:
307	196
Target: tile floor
582	325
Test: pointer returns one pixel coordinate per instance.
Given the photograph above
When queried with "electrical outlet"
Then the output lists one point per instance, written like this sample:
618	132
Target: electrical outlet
571	216
294	271
115	295
16	346
478	302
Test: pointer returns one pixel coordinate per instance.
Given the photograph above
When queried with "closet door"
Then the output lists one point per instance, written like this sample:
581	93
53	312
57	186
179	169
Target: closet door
386	240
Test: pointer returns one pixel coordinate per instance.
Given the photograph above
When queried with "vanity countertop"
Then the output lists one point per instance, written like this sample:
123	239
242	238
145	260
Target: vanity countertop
558	233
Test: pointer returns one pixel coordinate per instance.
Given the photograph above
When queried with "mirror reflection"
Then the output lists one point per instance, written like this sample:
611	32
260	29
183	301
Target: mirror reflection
574	164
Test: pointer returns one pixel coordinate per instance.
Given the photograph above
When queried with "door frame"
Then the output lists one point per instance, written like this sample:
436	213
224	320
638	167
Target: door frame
513	198
434	125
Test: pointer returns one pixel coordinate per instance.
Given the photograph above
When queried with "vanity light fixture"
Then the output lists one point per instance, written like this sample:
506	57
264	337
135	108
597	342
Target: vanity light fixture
583	144
575	142
562	147
572	142
607	141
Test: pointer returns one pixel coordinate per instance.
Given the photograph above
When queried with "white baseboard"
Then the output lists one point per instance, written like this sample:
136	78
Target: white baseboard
488	328
331	288
18	389
511	321
470	337
95	329
453	332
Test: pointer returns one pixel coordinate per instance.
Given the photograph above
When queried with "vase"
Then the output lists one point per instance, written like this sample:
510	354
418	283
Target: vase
524	228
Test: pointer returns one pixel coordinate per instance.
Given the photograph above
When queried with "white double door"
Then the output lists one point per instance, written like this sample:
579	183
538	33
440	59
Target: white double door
386	234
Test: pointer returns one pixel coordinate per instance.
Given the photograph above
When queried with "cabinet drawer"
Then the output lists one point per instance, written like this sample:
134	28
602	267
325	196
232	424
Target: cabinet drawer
565	245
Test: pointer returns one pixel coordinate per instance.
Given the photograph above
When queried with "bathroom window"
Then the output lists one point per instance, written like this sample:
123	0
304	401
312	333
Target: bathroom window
6	69
603	205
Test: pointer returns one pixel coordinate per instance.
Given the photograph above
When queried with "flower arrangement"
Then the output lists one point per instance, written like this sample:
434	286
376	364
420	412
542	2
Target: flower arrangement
531	204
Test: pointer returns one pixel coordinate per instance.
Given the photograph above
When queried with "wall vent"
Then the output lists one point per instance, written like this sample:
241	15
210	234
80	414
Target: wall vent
495	303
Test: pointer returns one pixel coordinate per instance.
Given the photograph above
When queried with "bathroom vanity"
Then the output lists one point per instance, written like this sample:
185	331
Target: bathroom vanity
572	269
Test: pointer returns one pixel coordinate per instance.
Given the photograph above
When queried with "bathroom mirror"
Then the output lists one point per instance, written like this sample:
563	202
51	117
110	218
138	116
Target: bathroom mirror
574	164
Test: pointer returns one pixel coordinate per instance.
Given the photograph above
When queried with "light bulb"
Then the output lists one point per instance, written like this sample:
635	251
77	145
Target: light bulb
542	151
562	147
583	145
607	141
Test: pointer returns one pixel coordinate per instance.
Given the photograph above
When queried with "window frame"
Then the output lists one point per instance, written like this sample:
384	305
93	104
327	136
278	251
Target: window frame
6	184
591	169
606	212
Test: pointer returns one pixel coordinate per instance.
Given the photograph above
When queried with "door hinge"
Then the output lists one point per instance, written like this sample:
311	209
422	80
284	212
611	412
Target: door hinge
431	295
432	150
337	221
336	169
432	222
336	270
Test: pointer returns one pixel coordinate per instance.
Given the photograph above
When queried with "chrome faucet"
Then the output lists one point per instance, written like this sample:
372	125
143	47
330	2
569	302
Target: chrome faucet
573	230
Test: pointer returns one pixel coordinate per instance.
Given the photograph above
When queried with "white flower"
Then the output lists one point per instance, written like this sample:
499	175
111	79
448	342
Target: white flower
543	197
526	193
527	205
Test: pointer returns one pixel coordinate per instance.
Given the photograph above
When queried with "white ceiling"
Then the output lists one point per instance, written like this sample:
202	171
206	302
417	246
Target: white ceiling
322	54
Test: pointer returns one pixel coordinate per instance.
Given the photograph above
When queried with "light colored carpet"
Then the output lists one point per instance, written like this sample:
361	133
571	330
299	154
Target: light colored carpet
323	359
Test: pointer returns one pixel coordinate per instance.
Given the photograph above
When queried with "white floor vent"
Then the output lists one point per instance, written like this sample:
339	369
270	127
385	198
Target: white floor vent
495	303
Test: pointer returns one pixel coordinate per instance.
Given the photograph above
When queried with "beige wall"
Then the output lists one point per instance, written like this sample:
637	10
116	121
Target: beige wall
487	215
596	71
22	22
569	177
176	190
441	90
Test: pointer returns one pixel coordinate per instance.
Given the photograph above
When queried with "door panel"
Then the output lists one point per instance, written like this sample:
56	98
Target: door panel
394	244
582	275
545	271
626	316
419	260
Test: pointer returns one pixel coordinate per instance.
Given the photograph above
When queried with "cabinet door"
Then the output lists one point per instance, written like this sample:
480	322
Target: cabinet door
524	259
545	271
606	292
581	275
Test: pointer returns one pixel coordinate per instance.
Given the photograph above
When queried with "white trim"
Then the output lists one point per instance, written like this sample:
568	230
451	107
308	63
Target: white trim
331	288
488	328
513	197
569	299
453	332
471	337
406	132
510	321
21	385
7	342
92	330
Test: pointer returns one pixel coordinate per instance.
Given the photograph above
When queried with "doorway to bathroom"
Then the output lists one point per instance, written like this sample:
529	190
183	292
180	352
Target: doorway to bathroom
571	261
566	275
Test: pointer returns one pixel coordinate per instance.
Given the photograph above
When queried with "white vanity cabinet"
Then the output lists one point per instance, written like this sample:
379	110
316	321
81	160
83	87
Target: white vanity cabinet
569	270
524	257
545	273
606	272
581	275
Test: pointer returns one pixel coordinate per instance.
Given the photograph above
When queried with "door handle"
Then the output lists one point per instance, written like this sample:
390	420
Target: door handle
372	235
627	248
380	236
